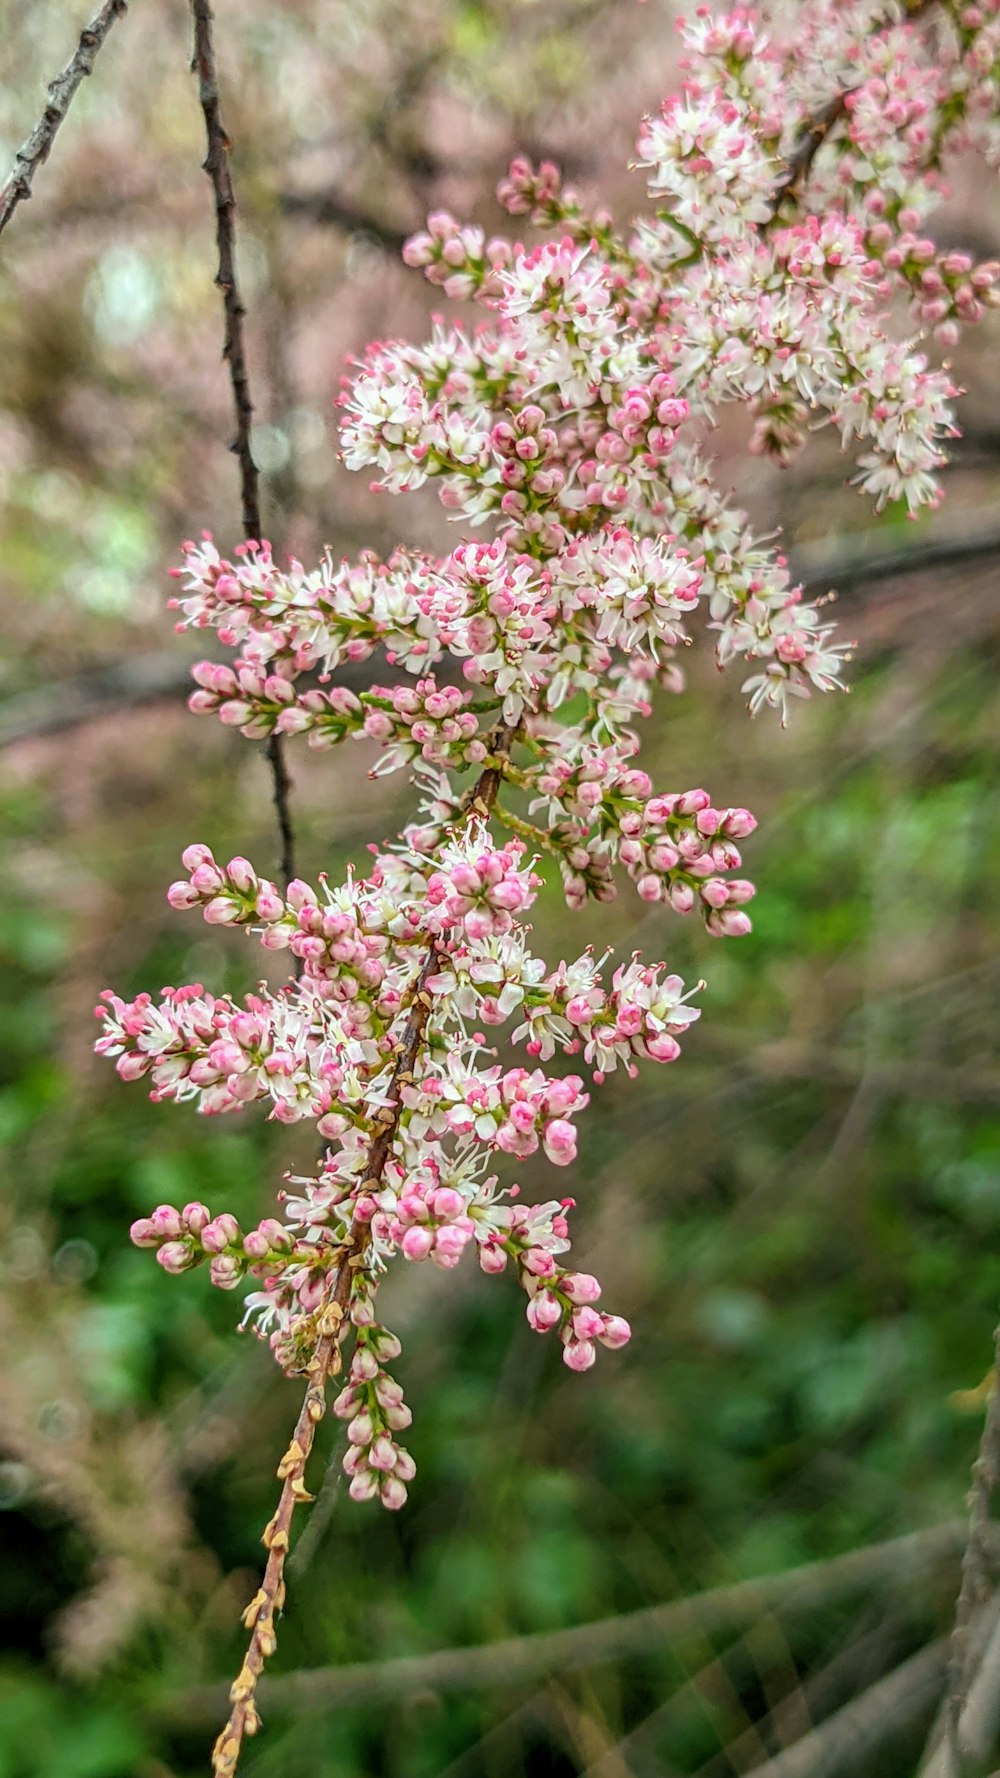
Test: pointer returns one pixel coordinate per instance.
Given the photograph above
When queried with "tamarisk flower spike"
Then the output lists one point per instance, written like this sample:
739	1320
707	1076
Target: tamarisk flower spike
785	263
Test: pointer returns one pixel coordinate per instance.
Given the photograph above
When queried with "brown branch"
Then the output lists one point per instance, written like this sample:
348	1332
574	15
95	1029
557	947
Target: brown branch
216	165
332	1325
36	148
518	1659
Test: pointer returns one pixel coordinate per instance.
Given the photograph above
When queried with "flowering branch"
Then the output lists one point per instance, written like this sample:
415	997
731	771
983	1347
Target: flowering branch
216	165
331	1326
522	668
36	148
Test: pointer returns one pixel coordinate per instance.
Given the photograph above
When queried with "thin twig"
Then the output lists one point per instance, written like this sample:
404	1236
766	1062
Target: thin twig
517	1659
332	1325
216	165
35	150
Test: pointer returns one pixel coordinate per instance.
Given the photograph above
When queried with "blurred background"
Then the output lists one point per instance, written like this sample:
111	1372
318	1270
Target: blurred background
801	1220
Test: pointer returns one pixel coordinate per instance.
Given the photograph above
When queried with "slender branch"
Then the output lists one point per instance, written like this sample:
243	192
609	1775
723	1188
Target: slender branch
948	1754
519	1659
332	1325
976	1567
36	148
216	165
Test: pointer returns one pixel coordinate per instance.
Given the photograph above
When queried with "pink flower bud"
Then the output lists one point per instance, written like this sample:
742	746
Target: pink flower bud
144	1233
222	1232
167	1222
616	1333
270	905
417	1243
543	1311
174	1256
392	1493
225	1271
383	1453
364	1485
361	1430
405	1469
132	1067
588	1323
182	896
579	1354
447	1203
450	1243
559	1142
581	1287
195	1218
193	856
242	875
364	1366
714	892
728	923
221	911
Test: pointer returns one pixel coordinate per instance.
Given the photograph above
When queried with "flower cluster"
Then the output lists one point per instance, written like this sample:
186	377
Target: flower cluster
570	422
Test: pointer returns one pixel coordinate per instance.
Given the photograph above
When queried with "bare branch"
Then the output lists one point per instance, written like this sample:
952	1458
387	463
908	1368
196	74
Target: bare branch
36	149
216	165
863	562
511	1662
845	1740
976	1728
977	1580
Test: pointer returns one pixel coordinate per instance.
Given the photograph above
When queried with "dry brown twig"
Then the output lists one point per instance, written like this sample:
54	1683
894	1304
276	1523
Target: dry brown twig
216	165
36	148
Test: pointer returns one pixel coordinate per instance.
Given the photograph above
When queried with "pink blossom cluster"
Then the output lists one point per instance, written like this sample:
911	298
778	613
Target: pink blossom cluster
791	182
